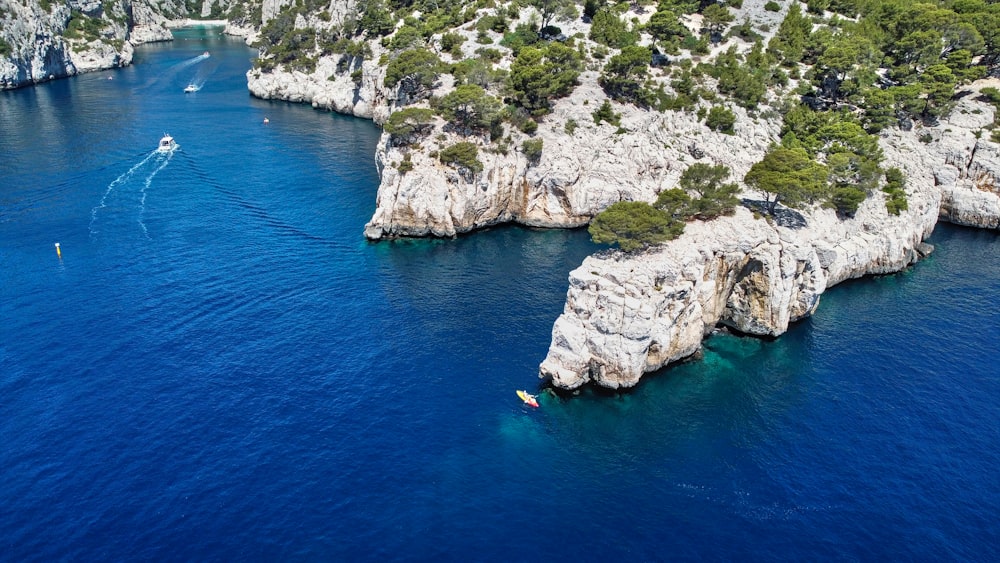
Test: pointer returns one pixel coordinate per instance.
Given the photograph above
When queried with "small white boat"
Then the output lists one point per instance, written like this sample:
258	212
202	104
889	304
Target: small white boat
190	88
167	144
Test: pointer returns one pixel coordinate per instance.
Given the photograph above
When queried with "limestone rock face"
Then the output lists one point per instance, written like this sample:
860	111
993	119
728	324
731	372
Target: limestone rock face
149	25
626	315
584	168
965	164
329	87
41	49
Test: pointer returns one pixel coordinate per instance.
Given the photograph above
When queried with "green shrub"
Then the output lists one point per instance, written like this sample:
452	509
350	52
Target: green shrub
720	119
532	149
488	54
375	19
624	74
772	6
463	155
609	29
406	165
634	225
468	108
817	6
537	76
406	38
847	199
492	23
407	125
895	182
83	26
715	196
417	68
452	42
571	126
607	114
523	36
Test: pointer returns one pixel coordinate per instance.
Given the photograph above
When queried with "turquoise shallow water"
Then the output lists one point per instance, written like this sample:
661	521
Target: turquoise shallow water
221	367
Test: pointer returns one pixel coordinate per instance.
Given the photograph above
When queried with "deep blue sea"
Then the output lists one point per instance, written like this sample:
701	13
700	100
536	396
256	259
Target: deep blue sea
220	367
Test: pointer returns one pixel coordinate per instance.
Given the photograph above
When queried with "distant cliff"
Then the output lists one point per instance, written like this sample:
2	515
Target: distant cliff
42	40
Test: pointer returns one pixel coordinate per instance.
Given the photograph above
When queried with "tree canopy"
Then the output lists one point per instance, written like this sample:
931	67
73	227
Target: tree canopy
537	76
634	225
715	196
469	108
414	71
788	176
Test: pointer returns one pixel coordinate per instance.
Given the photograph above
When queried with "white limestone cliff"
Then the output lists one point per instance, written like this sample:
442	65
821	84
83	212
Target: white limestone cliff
328	87
41	46
627	315
583	169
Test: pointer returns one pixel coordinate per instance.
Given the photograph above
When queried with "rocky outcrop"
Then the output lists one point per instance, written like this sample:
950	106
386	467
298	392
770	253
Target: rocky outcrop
584	168
629	315
968	177
330	87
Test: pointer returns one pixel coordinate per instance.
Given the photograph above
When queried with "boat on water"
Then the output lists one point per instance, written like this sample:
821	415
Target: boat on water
167	144
190	88
528	398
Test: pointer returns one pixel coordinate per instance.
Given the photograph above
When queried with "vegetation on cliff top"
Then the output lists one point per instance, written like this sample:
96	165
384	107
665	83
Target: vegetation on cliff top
836	72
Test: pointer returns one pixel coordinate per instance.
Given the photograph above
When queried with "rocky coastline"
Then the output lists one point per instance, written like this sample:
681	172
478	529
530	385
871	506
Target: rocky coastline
625	314
628	315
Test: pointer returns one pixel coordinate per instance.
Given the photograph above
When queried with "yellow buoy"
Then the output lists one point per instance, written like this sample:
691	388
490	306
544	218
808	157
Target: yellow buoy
58	252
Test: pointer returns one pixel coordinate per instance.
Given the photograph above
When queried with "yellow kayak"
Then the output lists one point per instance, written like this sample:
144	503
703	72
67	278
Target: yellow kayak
527	398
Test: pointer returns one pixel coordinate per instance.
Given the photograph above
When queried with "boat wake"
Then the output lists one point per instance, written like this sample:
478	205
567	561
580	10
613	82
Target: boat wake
200	77
191	61
145	186
170	73
156	161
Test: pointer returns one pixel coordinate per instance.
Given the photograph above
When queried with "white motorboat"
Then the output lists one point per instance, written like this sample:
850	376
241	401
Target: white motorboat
167	144
190	88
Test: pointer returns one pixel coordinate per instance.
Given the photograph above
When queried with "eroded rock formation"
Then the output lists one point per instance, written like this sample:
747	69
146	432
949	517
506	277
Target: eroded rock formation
627	315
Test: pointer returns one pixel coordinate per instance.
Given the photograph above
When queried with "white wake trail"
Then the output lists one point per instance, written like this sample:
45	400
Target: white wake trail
145	186
117	181
190	62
